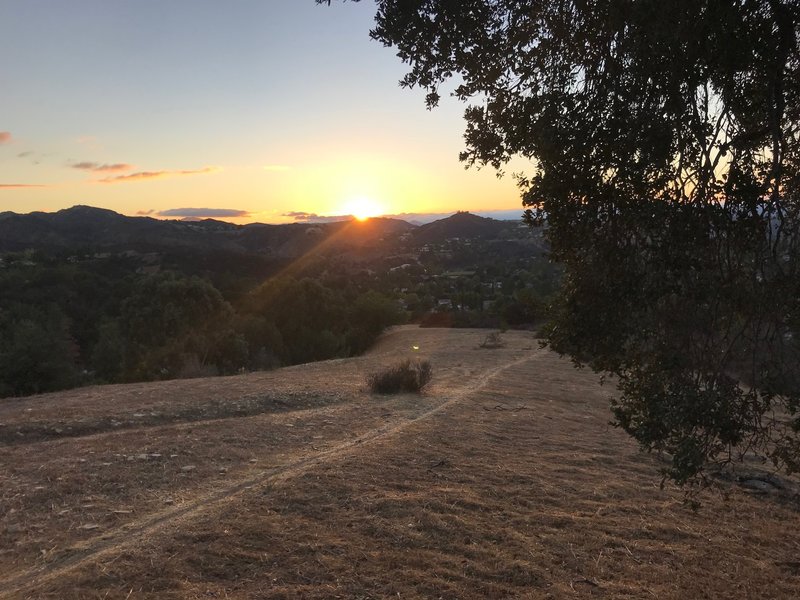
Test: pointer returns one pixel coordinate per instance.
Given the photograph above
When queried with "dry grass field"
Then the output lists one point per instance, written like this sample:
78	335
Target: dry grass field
502	480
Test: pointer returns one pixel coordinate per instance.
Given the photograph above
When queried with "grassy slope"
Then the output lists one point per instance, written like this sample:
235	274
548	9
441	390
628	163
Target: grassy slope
503	480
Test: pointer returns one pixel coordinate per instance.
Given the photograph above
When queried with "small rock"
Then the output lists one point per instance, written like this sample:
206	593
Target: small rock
89	526
169	501
188	468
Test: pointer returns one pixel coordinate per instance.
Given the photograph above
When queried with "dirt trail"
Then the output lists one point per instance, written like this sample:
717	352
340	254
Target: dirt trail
452	387
504	480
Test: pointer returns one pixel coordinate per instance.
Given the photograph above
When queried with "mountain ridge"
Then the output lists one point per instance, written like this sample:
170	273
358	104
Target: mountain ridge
83	226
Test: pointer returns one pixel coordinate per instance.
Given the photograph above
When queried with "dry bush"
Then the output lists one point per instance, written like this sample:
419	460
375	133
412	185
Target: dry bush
407	376
493	340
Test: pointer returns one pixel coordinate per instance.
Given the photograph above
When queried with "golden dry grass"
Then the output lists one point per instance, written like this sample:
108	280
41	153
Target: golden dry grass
503	480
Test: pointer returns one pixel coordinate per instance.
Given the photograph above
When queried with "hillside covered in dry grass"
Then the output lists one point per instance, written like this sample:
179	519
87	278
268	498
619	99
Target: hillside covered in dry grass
502	480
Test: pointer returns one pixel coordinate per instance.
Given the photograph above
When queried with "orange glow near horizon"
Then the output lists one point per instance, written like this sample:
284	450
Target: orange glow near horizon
362	208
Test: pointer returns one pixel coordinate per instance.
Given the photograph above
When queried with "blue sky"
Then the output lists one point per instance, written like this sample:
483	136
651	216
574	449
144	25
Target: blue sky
265	107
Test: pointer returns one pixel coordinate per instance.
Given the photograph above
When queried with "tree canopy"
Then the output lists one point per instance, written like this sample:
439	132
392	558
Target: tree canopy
664	140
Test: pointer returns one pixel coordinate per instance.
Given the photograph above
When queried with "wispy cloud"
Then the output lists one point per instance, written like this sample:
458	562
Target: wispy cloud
202	213
5	137
35	158
102	168
142	175
307	217
17	186
276	168
144	213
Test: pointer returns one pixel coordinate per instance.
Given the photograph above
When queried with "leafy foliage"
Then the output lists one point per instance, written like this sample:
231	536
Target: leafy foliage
36	351
65	323
666	144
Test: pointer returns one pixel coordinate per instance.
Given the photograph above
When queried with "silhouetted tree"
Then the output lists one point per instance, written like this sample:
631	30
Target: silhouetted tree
37	353
370	314
666	143
170	320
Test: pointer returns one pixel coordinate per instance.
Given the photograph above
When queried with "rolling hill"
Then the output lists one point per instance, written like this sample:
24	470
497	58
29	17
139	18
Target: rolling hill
85	227
461	225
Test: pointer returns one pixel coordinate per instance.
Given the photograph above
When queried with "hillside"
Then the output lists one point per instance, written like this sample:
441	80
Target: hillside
461	225
93	297
502	480
86	227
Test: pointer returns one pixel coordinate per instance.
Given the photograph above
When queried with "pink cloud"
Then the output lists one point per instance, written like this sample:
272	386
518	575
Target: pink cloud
307	217
203	213
17	186
101	168
5	137
141	175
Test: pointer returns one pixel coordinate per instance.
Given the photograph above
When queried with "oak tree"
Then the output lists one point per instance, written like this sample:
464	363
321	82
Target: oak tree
664	143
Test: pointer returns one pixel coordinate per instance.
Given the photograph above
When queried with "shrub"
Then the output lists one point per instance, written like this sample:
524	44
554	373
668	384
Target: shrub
407	376
493	340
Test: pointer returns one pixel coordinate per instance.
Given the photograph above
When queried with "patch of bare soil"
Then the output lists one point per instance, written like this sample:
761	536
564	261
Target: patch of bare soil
502	480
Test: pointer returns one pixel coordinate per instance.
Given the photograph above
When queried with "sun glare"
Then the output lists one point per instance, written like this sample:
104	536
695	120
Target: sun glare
363	208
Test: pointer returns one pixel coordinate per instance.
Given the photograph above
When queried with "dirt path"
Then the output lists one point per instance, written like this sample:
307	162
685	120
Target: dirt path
132	533
503	480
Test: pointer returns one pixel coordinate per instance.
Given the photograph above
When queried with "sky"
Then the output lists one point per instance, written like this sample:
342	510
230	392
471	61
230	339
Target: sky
249	110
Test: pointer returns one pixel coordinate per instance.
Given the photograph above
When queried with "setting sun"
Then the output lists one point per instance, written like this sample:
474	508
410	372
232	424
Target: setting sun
362	208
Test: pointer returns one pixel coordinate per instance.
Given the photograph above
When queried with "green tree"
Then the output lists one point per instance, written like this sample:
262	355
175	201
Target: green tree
370	314
108	355
37	353
310	317
171	320
664	139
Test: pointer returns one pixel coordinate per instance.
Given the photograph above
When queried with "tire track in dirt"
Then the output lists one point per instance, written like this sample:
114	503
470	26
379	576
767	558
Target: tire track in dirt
167	425
130	533
218	412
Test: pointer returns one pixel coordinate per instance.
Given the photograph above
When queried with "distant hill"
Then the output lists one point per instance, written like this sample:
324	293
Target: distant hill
461	225
89	227
85	227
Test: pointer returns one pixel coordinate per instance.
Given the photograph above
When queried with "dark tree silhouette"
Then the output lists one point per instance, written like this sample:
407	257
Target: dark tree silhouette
665	144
